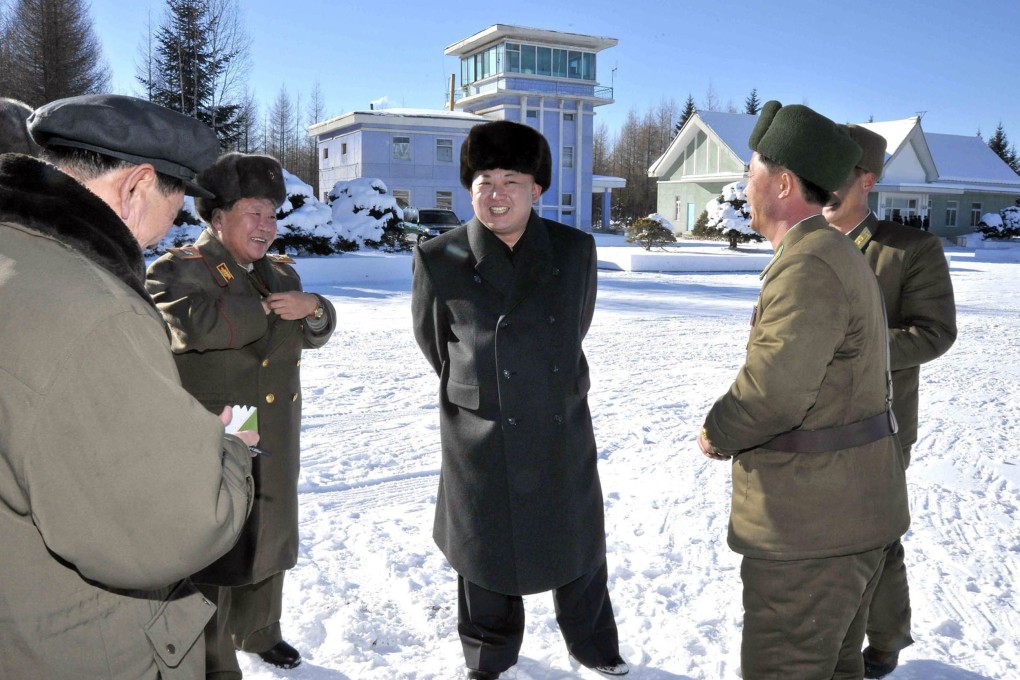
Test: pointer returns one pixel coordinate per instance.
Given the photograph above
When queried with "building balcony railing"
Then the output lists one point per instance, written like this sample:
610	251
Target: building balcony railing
537	86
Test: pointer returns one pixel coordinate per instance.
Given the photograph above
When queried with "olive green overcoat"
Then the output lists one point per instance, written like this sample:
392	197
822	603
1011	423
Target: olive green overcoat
115	483
914	277
229	351
816	358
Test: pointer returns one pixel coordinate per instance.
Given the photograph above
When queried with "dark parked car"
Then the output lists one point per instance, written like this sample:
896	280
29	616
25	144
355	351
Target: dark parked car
429	222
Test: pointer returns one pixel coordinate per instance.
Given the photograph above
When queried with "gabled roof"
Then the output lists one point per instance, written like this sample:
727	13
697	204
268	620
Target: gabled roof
964	158
730	130
912	155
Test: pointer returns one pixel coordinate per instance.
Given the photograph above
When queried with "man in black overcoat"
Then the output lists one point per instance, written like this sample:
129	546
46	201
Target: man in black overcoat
501	306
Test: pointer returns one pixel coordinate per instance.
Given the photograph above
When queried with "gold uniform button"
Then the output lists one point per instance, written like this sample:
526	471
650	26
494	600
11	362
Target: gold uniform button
294	398
270	398
298	362
265	363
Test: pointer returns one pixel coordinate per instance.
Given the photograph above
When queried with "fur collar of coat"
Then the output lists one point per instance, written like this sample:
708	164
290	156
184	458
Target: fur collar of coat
42	198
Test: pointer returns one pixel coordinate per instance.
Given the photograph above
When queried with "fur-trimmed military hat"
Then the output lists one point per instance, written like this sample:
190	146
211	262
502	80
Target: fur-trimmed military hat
130	129
239	175
509	146
873	146
806	142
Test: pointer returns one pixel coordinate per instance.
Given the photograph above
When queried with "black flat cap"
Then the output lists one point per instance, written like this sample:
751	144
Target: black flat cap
130	129
506	145
240	175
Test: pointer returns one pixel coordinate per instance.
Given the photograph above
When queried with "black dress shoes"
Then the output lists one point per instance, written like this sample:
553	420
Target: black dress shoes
481	675
878	664
281	655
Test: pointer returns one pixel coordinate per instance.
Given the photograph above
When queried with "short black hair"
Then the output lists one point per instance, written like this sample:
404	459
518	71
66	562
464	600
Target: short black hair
86	164
812	192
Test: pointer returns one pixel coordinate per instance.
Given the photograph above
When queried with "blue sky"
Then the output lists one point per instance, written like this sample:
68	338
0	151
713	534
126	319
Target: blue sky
890	59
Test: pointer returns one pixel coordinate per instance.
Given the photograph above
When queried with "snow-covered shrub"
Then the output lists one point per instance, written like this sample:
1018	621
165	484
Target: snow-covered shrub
365	213
302	222
654	230
728	216
1002	225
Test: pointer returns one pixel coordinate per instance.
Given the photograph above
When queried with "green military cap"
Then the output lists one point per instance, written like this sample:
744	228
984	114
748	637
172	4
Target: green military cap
132	130
240	175
873	145
806	142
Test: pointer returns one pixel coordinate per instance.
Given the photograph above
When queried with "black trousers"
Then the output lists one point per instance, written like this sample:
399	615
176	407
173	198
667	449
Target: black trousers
491	625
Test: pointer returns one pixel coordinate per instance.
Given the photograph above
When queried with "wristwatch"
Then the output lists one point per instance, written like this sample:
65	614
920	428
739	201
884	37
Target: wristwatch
320	311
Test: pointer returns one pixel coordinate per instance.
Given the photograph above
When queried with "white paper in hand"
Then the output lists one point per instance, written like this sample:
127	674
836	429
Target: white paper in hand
243	418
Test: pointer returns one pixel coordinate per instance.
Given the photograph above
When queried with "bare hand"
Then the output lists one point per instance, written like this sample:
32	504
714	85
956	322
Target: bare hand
291	305
709	450
249	437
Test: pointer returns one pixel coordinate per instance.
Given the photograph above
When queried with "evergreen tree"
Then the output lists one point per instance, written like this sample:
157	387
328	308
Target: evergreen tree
48	50
752	104
689	110
999	143
199	50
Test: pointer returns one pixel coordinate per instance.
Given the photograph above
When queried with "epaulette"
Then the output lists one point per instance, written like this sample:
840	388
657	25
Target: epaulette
188	252
280	259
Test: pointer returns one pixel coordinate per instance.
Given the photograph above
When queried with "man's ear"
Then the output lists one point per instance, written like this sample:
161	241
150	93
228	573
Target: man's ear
869	182
785	183
536	191
134	185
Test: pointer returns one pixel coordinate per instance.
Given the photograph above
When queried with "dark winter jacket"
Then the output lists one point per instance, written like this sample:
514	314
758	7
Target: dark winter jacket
519	508
115	483
229	351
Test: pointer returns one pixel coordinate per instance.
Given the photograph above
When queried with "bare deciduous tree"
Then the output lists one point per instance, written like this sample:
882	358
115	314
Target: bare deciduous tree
48	50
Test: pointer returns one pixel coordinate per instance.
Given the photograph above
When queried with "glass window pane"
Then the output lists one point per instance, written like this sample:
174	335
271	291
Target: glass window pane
574	65
444	150
560	63
544	61
490	62
402	148
527	58
588	71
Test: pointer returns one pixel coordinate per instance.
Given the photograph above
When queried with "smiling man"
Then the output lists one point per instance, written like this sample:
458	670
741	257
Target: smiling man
501	306
239	321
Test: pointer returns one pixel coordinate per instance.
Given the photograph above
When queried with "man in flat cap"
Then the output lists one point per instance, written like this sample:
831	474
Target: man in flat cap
818	484
500	308
239	320
914	277
115	483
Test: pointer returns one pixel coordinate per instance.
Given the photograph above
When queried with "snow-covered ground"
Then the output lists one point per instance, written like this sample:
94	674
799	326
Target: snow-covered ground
372	597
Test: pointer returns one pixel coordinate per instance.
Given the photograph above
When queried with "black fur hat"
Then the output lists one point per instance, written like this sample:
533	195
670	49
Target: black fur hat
509	146
239	175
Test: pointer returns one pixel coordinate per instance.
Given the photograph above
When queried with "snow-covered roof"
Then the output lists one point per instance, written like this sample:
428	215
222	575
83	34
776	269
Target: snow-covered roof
734	129
964	158
894	131
957	159
352	117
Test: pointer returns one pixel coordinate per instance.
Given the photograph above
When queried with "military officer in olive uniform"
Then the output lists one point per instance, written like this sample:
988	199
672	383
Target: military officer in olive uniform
239	320
818	484
500	308
918	292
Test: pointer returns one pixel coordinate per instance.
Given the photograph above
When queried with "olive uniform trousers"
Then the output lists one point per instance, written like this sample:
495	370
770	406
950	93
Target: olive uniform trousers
806	619
247	619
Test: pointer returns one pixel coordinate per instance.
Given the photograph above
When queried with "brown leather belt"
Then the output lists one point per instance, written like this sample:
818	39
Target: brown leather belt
835	438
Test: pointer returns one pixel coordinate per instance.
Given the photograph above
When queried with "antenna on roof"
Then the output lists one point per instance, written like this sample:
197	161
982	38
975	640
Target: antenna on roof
920	114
